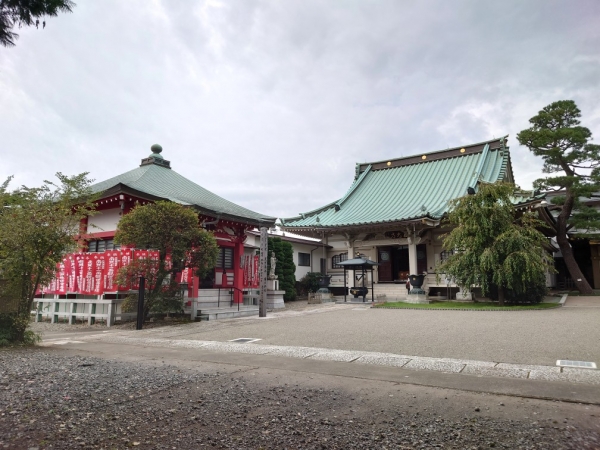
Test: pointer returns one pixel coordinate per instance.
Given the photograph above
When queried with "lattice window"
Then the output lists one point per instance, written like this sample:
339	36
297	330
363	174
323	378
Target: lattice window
102	245
225	259
337	259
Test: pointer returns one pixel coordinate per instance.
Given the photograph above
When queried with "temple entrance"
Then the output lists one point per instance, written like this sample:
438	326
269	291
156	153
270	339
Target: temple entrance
393	262
394	266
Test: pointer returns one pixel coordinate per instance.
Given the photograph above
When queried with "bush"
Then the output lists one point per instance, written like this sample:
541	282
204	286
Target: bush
309	283
11	326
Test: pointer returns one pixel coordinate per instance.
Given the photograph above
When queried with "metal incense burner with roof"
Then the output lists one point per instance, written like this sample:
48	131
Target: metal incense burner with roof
363	264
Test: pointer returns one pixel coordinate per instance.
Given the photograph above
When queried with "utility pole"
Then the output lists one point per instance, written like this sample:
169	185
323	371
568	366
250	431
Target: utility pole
264	250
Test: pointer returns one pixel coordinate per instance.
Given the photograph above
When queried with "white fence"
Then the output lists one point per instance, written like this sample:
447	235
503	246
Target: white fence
88	309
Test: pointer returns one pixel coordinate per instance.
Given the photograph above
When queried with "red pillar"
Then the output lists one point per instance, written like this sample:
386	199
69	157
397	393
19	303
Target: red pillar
238	271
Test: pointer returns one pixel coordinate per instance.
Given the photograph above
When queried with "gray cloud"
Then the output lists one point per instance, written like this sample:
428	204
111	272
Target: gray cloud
271	104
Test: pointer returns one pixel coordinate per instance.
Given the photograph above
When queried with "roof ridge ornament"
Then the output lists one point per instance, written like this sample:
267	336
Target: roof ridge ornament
156	158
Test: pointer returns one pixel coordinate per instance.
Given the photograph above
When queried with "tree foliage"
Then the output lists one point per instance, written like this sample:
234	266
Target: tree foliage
285	268
27	12
493	248
557	136
174	231
37	227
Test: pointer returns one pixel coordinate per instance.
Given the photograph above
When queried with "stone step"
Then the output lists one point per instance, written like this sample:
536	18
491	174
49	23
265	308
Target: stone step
226	313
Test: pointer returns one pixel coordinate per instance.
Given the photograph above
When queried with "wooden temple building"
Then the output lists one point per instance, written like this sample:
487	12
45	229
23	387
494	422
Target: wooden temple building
392	214
84	286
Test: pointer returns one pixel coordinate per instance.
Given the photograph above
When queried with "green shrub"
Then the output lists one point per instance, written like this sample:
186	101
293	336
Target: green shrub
12	326
309	283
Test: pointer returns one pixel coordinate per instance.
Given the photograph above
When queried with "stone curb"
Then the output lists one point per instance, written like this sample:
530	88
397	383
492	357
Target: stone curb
558	305
446	365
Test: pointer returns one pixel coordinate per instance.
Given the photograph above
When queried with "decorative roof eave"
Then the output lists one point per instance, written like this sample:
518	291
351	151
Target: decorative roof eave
263	222
424	222
122	188
310	213
293	239
355	185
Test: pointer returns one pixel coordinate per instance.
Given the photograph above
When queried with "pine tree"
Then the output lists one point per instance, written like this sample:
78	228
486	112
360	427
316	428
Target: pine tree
27	12
556	136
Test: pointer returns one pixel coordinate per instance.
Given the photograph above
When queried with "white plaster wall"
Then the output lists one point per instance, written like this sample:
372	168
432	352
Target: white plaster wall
105	220
301	271
315	258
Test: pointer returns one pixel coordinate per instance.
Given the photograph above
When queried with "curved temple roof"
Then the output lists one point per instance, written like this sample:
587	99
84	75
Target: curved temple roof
157	180
411	188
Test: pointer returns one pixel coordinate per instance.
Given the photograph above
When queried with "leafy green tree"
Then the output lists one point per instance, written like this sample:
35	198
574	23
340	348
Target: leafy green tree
174	231
285	268
37	226
27	12
492	247
556	136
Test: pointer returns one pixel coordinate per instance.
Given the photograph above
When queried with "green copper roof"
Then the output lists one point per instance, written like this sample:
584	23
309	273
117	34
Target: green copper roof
156	179
411	188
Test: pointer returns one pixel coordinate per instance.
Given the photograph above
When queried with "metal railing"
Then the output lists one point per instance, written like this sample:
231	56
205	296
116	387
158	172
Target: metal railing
226	295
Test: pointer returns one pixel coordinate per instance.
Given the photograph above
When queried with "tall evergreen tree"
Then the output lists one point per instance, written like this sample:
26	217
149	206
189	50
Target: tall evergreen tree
285	268
556	136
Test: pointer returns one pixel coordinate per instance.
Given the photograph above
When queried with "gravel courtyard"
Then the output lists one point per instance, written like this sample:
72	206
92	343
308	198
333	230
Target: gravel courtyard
519	337
52	399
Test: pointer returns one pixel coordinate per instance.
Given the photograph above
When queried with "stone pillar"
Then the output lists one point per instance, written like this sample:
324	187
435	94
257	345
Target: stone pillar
110	320
350	273
412	257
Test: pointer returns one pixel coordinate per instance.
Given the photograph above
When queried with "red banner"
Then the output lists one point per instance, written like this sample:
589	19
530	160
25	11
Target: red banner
245	268
113	264
93	274
96	273
126	256
79	262
61	277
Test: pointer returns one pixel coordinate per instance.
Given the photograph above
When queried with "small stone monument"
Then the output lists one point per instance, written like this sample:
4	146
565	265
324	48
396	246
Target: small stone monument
274	295
273	282
272	275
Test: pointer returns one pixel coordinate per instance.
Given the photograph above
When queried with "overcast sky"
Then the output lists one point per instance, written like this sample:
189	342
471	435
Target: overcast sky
271	103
